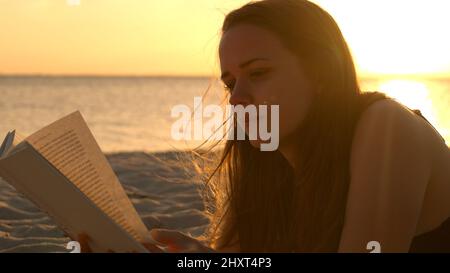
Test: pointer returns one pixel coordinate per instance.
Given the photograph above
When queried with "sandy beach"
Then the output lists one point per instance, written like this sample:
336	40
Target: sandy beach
165	194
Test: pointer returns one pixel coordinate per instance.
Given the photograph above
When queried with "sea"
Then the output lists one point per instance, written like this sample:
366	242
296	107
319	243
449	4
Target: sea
135	113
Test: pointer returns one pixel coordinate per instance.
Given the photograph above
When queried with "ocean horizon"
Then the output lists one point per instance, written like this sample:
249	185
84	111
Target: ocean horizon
133	112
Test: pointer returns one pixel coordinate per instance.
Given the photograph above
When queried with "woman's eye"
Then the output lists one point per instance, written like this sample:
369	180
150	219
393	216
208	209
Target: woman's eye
253	75
229	87
258	73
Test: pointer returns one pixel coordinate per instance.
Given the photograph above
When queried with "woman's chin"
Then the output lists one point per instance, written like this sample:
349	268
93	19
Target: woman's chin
256	143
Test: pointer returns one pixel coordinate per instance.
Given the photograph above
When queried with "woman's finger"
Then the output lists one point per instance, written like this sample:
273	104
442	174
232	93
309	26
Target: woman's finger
167	236
152	248
84	239
177	241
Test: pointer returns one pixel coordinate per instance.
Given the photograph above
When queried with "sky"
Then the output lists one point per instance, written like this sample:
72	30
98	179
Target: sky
180	37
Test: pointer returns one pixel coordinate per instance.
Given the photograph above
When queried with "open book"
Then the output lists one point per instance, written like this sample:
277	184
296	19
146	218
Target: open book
63	171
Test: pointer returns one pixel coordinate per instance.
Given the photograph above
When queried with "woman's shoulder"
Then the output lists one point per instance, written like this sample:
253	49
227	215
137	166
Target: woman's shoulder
402	125
430	146
387	107
393	137
389	124
390	167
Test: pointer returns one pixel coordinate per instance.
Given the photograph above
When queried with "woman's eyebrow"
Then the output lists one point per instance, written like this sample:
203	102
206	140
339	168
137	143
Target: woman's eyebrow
242	65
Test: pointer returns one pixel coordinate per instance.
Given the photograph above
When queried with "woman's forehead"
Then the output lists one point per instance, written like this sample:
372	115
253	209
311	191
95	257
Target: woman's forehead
244	42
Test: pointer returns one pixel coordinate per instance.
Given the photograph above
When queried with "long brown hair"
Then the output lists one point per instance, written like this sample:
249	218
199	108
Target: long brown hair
257	196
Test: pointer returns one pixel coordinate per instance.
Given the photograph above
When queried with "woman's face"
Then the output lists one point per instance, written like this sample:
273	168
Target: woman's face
258	70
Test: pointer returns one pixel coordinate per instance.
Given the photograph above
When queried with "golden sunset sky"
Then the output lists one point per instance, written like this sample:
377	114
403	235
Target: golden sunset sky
180	37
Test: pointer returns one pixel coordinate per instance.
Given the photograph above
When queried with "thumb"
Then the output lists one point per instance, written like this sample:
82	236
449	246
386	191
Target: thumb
84	239
169	237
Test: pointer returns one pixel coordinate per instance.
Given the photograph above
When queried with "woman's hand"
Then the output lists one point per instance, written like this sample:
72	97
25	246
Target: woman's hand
84	239
177	242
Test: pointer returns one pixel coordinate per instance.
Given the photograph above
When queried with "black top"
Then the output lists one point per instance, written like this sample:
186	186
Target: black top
436	240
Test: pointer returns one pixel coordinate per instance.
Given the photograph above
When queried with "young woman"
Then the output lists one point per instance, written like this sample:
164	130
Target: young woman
351	167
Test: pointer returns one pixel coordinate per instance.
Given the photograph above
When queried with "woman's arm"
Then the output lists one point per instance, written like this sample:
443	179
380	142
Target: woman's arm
177	242
233	247
390	168
229	249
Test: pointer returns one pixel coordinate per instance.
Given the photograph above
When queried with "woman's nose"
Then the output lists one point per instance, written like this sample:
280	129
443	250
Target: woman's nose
240	96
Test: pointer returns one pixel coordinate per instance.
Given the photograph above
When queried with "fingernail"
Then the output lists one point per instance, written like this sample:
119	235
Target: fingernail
153	232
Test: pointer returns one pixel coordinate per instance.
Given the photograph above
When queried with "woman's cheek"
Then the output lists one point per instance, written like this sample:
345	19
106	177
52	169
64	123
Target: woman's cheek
289	118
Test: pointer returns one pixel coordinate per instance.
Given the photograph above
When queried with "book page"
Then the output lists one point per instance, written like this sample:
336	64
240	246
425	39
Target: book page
6	143
11	140
69	145
32	175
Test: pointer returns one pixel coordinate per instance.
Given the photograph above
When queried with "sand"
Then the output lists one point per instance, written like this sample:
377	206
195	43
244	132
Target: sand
165	194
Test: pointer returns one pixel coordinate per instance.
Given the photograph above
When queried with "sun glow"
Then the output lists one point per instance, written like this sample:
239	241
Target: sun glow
395	37
415	95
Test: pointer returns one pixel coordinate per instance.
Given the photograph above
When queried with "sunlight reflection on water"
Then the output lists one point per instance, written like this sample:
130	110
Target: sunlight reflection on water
431	97
134	114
